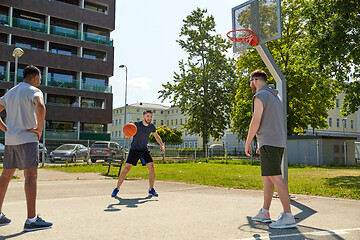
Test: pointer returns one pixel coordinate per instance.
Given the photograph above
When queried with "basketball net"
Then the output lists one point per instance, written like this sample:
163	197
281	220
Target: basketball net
242	40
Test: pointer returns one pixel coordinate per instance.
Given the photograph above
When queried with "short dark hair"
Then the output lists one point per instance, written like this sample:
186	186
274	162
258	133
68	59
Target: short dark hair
31	70
259	74
147	111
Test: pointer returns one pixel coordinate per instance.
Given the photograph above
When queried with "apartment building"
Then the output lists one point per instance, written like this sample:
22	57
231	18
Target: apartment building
69	41
172	117
339	125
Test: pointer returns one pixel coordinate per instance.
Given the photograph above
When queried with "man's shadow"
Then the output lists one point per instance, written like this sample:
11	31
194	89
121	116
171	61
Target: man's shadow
297	233
128	202
12	235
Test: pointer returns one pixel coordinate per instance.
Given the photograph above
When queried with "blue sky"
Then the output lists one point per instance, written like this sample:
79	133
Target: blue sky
145	41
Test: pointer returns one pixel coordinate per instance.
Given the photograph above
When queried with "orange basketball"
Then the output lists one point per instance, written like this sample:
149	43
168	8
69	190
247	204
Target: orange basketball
129	129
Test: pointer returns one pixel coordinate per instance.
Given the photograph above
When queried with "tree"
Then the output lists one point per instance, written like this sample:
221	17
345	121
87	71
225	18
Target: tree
204	87
309	91
334	28
168	136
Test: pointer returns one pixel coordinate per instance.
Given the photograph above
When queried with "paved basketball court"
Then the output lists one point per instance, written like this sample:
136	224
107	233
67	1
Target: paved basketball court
80	207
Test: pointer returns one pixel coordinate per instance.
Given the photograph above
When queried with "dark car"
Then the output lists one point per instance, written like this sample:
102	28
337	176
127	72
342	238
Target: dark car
69	152
105	150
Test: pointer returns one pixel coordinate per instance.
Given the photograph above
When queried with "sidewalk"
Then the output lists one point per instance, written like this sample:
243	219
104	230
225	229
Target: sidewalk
83	209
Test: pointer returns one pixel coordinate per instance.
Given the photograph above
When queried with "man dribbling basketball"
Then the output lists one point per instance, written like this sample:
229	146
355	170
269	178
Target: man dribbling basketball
139	150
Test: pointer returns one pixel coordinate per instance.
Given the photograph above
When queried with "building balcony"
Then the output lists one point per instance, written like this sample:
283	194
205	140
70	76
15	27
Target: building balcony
65	32
99	136
96	88
59	83
29	25
99	39
56	30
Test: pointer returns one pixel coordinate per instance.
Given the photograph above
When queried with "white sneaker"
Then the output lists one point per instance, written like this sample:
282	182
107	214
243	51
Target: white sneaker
262	217
284	221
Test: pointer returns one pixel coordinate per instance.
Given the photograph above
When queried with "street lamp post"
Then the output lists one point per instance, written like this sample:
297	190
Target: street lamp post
18	52
124	66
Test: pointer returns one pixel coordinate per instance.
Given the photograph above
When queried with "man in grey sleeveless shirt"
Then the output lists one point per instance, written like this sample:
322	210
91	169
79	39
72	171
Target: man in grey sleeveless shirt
25	114
267	125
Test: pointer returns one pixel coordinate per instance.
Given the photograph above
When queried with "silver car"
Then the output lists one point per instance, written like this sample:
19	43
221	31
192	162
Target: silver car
69	152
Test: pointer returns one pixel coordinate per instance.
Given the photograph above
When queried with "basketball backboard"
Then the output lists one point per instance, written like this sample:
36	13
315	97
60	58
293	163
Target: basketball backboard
263	17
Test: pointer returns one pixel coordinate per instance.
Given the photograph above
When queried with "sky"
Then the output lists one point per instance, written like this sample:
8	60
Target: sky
145	41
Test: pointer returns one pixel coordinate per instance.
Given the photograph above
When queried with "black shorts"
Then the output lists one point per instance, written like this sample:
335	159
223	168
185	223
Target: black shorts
134	156
270	159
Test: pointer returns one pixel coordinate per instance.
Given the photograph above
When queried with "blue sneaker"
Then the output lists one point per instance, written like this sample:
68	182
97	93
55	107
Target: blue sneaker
39	224
4	220
115	192
153	192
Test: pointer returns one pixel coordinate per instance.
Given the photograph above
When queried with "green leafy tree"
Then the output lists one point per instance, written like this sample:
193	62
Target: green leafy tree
334	28
204	87
309	91
168	136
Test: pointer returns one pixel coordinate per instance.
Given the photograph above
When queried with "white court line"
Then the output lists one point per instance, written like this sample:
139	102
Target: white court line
317	233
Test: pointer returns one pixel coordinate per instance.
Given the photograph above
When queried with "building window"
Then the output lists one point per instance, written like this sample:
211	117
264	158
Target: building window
345	123
190	145
167	122
96	7
177	111
337	103
138	119
338	122
154	111
112	134
93	54
113	122
162	112
180	120
27	43
92	103
352	125
172	111
93	127
172	122
330	122
62	49
116	122
93	79
175	121
154	122
162	122
116	133
137	110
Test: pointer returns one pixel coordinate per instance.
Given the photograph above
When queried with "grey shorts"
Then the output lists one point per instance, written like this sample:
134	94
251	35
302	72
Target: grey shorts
22	156
270	159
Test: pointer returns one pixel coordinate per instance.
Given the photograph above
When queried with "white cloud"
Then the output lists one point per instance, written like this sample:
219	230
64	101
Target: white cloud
141	83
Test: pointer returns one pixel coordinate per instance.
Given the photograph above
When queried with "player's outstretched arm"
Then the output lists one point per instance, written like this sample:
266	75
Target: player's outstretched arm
158	139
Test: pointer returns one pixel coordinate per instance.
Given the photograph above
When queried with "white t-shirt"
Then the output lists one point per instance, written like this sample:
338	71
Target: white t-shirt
20	113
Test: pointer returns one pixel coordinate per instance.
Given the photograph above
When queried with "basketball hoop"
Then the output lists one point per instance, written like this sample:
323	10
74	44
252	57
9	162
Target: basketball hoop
242	39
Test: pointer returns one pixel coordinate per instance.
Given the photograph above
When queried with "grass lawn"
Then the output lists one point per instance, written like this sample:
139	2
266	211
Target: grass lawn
343	182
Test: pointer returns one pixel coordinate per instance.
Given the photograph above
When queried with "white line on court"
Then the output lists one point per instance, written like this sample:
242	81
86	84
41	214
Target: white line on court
317	233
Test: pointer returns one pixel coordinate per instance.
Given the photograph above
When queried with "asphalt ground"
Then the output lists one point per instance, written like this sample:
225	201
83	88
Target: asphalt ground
80	207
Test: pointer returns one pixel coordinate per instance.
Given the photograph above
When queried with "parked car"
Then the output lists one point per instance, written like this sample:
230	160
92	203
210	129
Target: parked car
216	150
2	148
69	152
105	150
